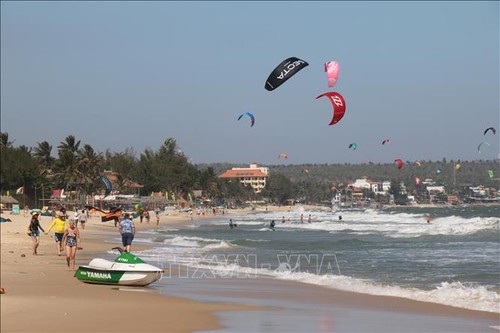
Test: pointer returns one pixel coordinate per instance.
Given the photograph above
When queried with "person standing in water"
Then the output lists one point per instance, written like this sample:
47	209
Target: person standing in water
271	225
231	224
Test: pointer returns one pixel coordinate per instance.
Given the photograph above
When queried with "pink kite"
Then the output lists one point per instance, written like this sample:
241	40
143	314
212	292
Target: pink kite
332	69
338	104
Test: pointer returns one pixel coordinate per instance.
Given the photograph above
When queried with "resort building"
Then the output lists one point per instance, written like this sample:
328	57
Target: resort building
254	176
376	187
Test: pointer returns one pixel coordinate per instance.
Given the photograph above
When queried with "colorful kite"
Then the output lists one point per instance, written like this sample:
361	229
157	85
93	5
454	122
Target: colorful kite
399	163
107	183
332	69
113	214
251	116
338	104
283	156
386	141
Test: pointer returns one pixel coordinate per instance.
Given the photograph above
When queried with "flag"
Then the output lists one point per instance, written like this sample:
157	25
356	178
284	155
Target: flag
20	190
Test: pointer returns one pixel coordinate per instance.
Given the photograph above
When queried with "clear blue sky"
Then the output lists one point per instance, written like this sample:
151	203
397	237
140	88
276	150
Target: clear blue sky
126	74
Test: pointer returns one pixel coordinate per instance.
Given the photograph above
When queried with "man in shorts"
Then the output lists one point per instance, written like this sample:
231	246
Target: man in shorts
83	218
60	225
127	230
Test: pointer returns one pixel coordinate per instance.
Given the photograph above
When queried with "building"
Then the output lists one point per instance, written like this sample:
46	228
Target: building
376	187
254	176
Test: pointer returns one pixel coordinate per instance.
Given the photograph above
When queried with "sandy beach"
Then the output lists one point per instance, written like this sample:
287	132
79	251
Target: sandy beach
41	295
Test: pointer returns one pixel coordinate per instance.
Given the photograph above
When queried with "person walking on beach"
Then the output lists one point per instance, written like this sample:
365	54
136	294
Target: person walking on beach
301	218
146	215
309	220
157	214
34	231
127	230
71	239
76	216
83	219
60	225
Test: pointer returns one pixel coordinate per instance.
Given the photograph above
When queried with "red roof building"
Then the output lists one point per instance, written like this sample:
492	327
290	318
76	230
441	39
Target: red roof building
254	176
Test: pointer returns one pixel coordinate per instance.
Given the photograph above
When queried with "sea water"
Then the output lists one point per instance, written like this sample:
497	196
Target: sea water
453	260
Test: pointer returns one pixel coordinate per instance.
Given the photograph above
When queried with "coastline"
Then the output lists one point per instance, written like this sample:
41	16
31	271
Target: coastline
40	287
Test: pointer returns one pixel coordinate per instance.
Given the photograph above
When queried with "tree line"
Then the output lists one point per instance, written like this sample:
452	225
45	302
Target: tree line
76	167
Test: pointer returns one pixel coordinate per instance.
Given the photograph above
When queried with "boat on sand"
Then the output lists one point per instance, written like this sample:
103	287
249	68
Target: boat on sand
126	270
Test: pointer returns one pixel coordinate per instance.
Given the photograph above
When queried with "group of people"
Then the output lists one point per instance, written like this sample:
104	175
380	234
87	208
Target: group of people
145	215
67	234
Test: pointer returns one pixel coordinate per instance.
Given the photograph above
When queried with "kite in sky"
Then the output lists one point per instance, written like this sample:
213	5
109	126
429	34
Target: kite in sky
353	146
338	104
480	145
399	163
251	116
288	68
490	129
283	156
386	141
332	69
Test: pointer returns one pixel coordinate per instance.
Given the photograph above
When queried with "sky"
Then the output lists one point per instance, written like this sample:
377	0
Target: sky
128	75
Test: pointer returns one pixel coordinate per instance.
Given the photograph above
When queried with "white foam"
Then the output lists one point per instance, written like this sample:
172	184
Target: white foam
389	224
453	294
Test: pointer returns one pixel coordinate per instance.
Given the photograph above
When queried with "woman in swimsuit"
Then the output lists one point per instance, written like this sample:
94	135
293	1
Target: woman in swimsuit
34	232
71	239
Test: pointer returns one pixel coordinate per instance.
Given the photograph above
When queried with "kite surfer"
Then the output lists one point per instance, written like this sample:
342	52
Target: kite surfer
271	225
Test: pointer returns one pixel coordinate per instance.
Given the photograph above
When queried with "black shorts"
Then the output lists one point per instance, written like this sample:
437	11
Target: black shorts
59	236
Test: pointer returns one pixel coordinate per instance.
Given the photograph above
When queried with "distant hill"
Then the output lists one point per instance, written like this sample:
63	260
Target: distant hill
470	173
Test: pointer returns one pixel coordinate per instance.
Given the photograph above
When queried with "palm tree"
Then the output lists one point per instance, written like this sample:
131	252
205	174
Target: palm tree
89	166
43	154
4	140
70	144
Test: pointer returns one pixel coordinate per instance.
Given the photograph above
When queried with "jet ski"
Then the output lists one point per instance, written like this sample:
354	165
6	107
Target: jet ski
126	270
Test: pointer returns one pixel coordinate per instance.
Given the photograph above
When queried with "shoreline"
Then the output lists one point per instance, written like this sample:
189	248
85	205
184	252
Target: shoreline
208	306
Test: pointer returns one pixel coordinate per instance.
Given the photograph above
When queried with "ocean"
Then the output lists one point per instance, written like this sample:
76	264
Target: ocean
453	260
